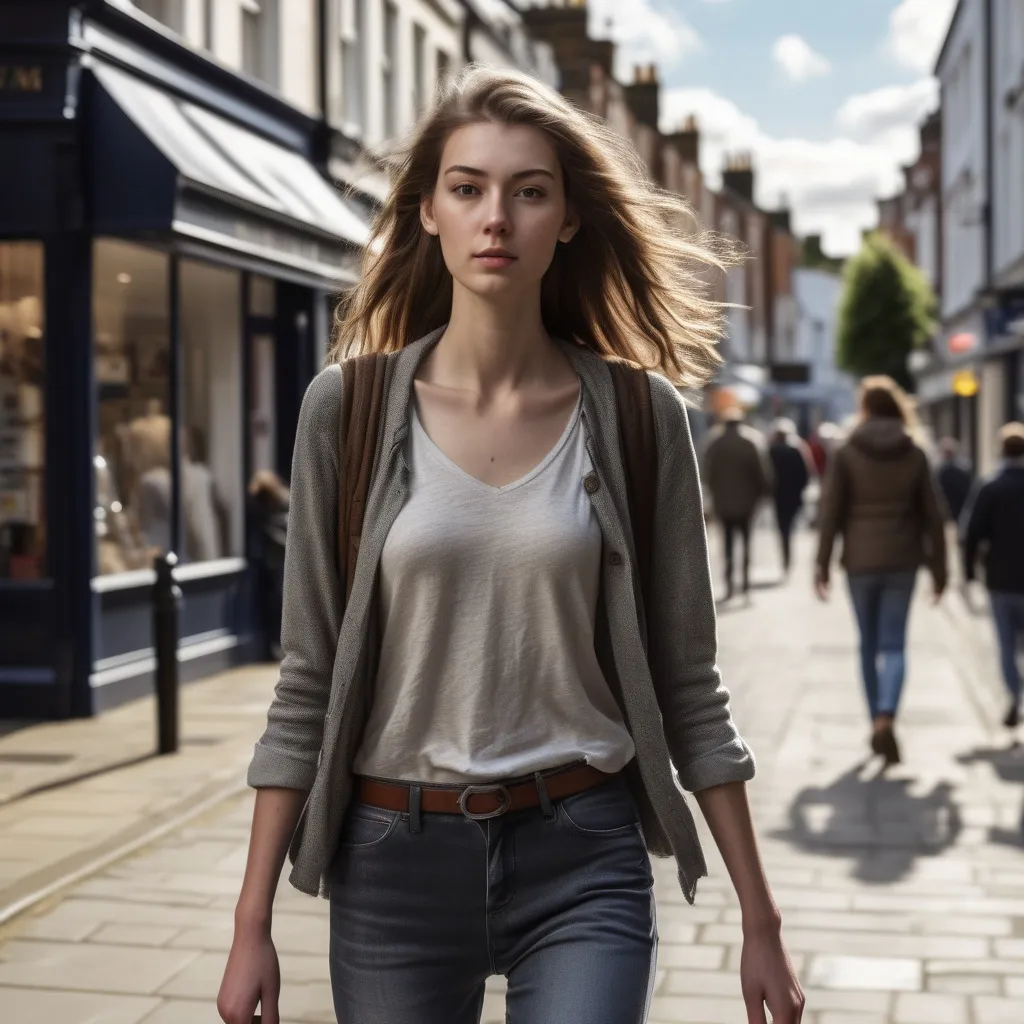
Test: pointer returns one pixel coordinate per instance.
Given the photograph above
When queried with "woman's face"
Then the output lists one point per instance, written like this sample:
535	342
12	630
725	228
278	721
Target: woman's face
499	208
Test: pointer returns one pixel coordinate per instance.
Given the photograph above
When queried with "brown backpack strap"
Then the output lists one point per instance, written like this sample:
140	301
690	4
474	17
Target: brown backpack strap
640	457
362	396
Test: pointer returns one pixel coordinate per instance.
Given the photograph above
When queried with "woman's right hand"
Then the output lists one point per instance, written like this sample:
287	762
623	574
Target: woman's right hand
252	976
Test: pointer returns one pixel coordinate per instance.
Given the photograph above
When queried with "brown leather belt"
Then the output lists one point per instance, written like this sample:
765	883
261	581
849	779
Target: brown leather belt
487	800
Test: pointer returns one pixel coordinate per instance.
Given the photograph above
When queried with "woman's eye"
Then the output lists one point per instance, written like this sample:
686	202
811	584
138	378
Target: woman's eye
464	190
531	192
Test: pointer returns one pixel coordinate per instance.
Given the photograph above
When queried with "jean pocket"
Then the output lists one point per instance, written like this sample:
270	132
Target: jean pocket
605	810
367	826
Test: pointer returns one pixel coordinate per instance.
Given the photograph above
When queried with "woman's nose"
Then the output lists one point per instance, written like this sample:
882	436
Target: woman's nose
497	216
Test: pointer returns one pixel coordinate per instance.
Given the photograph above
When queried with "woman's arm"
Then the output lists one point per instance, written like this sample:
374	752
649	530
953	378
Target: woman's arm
252	975
682	649
766	972
284	763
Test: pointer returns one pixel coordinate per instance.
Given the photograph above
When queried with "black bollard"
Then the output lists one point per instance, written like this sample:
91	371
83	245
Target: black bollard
166	605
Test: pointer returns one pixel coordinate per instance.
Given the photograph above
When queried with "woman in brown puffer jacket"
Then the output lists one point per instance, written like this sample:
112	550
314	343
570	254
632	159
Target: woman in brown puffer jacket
880	494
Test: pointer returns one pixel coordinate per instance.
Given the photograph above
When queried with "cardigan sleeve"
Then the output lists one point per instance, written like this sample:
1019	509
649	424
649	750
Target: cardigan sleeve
705	747
288	752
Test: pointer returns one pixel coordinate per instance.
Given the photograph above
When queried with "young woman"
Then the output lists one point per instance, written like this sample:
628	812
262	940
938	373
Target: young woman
479	741
881	495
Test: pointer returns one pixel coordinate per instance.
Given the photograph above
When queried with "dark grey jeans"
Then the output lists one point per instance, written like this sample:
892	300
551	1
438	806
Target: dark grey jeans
561	903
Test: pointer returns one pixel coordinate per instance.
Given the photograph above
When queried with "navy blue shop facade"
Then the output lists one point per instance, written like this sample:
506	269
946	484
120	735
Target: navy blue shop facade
168	250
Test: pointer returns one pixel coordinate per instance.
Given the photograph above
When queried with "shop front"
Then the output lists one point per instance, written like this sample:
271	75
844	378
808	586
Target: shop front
167	256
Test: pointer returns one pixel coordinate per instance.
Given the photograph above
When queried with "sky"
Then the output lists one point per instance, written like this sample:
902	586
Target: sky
826	94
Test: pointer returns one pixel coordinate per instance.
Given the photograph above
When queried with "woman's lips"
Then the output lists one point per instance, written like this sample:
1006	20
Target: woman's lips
495	262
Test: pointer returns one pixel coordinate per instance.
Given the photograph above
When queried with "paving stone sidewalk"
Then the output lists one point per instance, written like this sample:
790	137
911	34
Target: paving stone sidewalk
902	893
51	834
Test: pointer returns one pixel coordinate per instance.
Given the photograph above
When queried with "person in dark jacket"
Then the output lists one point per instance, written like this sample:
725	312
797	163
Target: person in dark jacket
882	497
995	518
955	478
738	476
269	500
791	467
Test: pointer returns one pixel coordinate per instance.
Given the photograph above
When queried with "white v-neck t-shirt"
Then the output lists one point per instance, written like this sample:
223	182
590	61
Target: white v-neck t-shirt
488	598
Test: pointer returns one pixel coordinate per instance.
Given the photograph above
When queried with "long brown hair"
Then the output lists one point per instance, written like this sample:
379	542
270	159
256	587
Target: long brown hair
633	283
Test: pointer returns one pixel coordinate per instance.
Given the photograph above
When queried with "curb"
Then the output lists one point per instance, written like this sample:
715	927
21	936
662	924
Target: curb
76	867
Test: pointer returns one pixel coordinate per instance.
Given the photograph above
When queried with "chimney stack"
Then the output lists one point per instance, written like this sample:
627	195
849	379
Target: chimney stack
738	175
643	94
686	141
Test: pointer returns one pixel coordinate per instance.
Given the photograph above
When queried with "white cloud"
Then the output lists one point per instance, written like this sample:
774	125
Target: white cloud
831	185
872	114
644	33
917	29
796	58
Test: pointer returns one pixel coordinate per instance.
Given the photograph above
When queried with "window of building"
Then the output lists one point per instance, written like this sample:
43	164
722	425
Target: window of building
209	9
22	424
132	369
168	12
260	39
352	45
419	69
444	64
210	471
389	69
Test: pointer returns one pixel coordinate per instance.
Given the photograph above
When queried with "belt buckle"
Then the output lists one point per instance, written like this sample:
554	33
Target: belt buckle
489	788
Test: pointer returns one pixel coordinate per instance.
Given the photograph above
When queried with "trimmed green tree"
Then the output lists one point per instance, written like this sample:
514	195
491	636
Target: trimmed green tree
887	310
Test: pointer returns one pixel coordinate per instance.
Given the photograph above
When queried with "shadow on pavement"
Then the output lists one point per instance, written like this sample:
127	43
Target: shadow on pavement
877	822
1008	763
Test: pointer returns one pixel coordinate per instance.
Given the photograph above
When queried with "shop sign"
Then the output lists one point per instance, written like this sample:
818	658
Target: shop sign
21	78
965	383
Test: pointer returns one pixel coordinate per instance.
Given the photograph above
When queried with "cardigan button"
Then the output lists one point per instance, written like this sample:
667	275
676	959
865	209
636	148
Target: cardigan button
591	483
615	558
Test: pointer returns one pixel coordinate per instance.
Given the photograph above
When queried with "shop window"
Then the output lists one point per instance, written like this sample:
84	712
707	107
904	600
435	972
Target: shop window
22	426
131	310
212	485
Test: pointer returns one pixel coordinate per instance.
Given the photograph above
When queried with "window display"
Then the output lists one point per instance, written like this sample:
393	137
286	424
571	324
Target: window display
131	310
22	425
212	499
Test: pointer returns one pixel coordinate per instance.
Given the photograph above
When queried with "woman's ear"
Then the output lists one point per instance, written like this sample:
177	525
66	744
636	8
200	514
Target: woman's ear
570	227
427	215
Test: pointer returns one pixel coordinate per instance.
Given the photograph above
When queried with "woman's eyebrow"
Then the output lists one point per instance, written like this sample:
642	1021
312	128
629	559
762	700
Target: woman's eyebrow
476	172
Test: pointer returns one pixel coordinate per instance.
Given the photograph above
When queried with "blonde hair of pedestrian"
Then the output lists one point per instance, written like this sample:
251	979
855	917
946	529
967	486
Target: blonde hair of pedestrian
882	398
633	283
1011	440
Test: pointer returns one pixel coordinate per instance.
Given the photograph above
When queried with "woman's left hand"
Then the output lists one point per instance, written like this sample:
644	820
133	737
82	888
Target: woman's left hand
767	979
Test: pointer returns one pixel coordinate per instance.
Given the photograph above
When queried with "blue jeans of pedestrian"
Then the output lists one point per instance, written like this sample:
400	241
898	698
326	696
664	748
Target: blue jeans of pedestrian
1008	615
881	602
424	908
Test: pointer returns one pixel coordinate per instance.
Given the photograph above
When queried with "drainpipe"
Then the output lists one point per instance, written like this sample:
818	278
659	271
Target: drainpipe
990	146
323	132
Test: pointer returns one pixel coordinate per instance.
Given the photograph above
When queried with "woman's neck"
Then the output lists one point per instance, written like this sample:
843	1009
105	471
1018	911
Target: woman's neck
492	347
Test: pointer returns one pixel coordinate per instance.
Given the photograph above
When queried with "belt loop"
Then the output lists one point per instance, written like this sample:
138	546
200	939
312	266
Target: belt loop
415	809
545	800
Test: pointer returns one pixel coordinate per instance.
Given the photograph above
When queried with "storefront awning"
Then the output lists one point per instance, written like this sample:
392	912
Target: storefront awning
162	163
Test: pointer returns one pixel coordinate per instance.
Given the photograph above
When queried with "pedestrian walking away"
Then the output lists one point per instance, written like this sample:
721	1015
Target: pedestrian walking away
955	477
738	476
881	496
499	640
995	519
791	469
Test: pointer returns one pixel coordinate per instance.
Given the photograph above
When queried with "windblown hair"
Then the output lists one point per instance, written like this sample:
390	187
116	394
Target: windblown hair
633	284
882	398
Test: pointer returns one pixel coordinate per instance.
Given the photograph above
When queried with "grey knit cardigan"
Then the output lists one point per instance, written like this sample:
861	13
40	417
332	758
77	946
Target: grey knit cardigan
661	665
